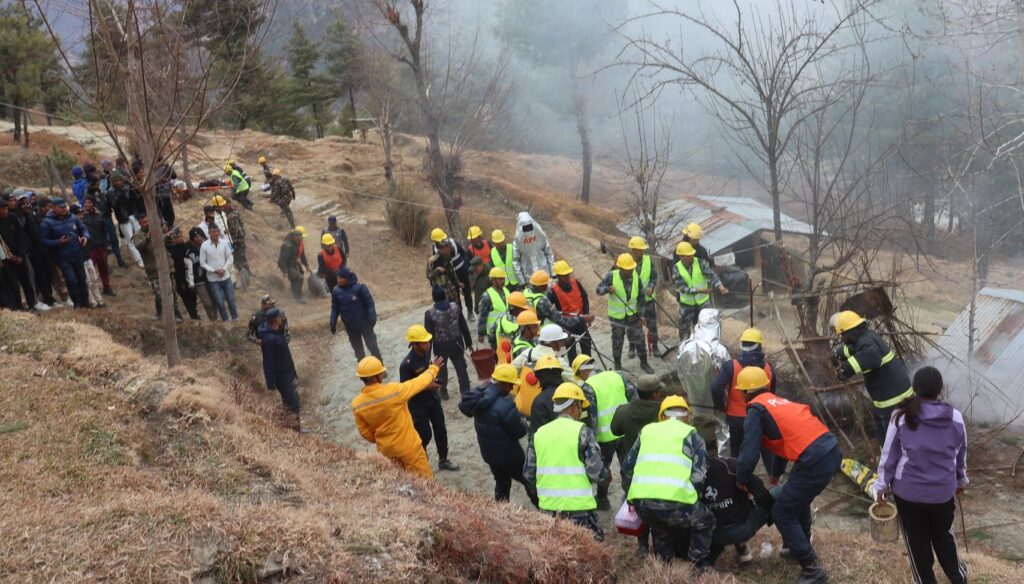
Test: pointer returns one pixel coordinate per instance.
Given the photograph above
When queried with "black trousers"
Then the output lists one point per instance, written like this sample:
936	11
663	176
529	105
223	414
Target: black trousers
190	299
465	289
503	477
21	275
608	451
427	417
456	357
927	527
42	268
289	395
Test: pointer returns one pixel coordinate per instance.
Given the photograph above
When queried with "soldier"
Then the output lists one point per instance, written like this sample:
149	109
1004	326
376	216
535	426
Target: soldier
236	231
282	193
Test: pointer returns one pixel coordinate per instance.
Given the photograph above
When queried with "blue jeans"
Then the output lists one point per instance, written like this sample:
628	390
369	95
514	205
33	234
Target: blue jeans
73	272
221	291
792	509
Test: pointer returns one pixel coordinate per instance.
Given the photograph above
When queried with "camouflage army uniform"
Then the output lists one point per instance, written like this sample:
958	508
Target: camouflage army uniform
590	454
669	519
259	317
236	230
447	280
282	193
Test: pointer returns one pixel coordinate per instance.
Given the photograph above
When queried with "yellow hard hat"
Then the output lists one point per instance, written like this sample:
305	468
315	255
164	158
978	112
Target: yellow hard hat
438	235
228	169
547	362
540	278
497	236
569	390
637	242
417	334
218	201
327	239
685	248
847	320
527	317
518	299
752	335
672	401
301	230
262	160
369	366
275	172
497	273
580	361
752	379
562	268
625	262
230	162
693	231
475	232
505	372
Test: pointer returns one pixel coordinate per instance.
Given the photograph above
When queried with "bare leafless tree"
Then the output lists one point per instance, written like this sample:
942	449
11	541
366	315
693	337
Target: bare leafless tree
166	83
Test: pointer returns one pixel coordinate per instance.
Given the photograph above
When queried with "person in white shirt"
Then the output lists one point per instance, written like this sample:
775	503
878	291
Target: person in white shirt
215	257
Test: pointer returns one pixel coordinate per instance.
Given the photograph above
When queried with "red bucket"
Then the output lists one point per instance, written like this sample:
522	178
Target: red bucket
484	361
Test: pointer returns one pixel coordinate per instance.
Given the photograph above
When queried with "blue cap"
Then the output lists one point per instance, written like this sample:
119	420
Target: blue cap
58	202
344	273
77	172
332	219
273	312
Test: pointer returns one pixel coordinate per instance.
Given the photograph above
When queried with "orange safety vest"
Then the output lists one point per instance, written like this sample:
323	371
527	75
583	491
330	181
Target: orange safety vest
735	404
570	302
483	252
797	425
333	262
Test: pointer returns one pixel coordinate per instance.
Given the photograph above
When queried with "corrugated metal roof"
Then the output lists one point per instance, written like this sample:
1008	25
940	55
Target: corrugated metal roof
988	386
726	220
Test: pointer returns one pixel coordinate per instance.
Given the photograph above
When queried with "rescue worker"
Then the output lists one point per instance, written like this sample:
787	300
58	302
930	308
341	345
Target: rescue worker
665	470
531	250
562	461
529	330
499	427
444	320
492	307
569	298
548	342
648	273
792	433
448	247
548	370
236	237
507	326
501	257
382	414
352	302
583	366
278	367
262	161
339	235
282	193
240	185
329	259
606	392
260	316
441	266
693	279
864	352
478	246
626	305
291	260
728	398
425	407
537	295
627	422
478	280
692	234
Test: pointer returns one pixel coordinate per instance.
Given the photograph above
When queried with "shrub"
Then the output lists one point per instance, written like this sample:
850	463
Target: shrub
407	213
62	161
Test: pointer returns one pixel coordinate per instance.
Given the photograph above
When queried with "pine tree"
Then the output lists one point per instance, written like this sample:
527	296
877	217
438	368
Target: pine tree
24	50
261	109
345	58
308	88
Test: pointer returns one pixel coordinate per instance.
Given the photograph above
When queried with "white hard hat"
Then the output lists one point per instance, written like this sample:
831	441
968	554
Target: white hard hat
550	333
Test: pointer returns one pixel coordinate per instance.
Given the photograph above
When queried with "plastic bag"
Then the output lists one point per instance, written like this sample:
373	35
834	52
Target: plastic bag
627	522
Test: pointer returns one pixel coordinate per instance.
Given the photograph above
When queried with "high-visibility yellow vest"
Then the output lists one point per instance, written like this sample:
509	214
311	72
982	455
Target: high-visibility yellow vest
241	185
662	471
498	306
694	281
622	302
562	482
645	275
505	329
533	297
609	393
520	344
505	263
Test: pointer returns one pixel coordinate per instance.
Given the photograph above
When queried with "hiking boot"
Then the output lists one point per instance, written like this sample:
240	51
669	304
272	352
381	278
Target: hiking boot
447	465
743	552
811	571
618	366
646	368
109	292
603	504
632	353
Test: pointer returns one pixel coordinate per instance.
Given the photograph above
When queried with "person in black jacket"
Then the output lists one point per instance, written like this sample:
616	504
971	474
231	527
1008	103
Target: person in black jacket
499	427
549	375
97	246
278	367
39	257
444	320
425	407
127	205
864	352
16	265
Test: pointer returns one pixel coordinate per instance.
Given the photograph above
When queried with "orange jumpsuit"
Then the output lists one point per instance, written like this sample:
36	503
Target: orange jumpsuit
382	416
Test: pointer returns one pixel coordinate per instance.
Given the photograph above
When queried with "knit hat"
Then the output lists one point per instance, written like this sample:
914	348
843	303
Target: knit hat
438	293
194	232
271	313
345	273
77	172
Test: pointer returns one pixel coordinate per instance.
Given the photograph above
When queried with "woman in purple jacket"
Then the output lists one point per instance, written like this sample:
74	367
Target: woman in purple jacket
924	464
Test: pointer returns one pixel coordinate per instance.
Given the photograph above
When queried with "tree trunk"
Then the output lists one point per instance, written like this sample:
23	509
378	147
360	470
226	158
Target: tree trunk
316	114
25	129
579	106
773	171
389	164
16	114
440	178
928	216
352	105
186	172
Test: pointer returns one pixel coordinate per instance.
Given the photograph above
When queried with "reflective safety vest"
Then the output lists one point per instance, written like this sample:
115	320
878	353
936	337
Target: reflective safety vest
570	302
505	331
505	263
622	302
736	404
483	252
609	393
520	344
332	261
241	185
797	425
694	281
533	297
646	265
662	471
888	358
562	482
498	306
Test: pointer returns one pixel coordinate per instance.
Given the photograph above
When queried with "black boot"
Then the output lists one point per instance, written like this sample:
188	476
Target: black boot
811	571
645	367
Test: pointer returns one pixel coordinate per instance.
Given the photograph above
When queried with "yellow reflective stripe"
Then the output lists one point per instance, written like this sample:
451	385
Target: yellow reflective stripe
375	401
889	357
855	365
895	400
846	351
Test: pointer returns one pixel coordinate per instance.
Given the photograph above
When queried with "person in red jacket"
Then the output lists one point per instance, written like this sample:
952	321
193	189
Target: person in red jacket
569	297
729	399
329	260
478	246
